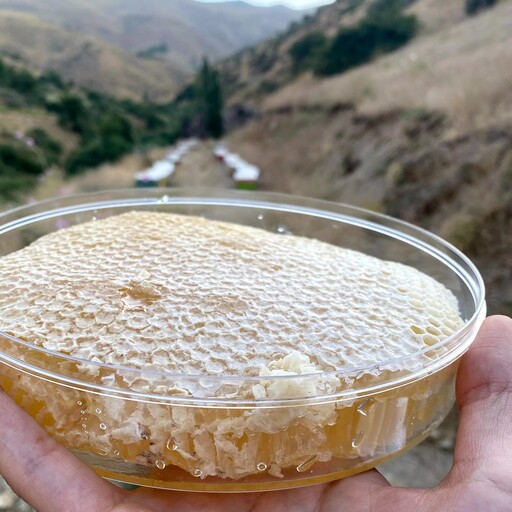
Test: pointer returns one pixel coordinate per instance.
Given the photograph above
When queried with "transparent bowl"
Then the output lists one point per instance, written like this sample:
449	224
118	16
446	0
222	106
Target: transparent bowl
216	440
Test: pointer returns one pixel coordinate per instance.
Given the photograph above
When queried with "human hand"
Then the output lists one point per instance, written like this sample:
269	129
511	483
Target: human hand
51	479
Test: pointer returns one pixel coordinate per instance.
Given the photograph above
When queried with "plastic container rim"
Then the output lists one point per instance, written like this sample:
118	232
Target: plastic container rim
327	210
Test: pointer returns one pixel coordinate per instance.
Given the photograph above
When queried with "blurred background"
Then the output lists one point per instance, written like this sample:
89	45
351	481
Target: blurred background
399	106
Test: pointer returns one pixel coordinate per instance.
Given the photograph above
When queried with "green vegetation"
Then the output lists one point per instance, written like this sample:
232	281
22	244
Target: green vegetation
50	148
90	115
201	103
154	51
475	6
262	60
384	29
71	112
268	87
114	136
306	51
23	159
19	168
18	157
209	100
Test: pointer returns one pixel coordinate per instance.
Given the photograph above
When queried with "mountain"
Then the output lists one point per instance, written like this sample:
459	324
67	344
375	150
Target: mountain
40	45
129	47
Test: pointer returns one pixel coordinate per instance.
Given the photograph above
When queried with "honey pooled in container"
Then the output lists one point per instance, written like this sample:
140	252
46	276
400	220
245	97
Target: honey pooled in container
206	310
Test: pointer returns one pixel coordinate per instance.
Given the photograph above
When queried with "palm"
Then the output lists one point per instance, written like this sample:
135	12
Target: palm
53	480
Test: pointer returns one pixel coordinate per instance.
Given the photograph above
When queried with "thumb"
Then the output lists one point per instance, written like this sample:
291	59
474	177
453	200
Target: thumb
484	395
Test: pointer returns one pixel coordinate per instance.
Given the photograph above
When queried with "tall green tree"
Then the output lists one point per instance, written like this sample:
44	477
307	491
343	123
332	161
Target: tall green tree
210	99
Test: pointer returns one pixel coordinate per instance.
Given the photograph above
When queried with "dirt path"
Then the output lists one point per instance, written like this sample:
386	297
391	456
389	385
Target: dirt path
199	168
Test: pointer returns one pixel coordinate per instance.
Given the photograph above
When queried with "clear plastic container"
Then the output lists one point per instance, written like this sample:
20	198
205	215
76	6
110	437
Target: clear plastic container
216	440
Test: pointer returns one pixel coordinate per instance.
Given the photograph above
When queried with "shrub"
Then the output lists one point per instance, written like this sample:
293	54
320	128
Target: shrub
12	99
306	51
114	137
87	156
53	79
474	6
21	159
51	149
71	113
188	93
20	80
153	51
348	49
268	87
262	61
115	125
165	137
385	28
13	184
19	168
96	152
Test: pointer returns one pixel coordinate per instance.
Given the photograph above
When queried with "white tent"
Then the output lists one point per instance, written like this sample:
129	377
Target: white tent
220	152
158	171
233	161
246	172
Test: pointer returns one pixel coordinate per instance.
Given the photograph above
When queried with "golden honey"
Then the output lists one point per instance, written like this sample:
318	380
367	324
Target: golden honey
357	436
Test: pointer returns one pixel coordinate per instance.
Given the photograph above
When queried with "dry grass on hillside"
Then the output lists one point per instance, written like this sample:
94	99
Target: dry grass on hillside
464	71
24	120
112	176
435	15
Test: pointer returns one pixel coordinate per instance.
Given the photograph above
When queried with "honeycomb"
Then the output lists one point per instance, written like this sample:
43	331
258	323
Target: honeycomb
188	295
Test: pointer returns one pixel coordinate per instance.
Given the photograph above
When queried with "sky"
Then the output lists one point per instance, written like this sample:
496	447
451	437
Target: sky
294	4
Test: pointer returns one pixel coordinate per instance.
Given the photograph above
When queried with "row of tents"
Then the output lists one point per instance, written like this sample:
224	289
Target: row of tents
161	171
244	174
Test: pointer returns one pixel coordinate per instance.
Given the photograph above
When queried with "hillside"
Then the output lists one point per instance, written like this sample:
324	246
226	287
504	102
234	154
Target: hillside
445	67
131	48
258	70
40	45
461	69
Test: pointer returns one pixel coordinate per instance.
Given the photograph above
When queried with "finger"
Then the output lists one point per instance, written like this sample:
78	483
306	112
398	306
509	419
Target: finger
44	473
353	494
361	492
484	395
345	495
